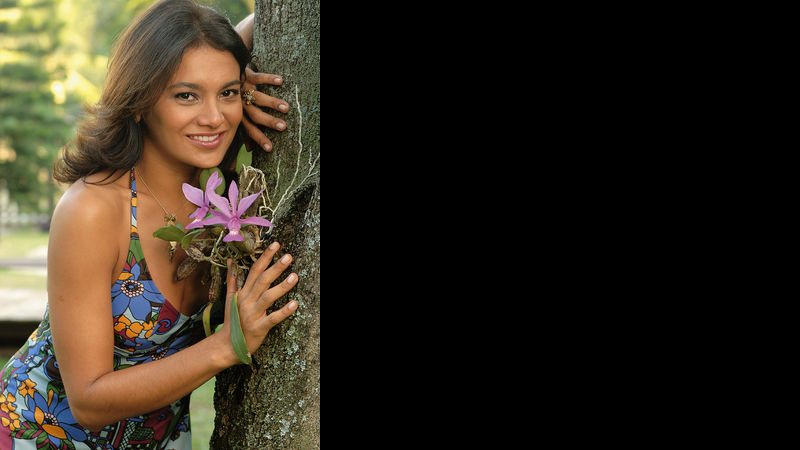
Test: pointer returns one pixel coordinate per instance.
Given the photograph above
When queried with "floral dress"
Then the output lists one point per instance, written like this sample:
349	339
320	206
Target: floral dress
34	412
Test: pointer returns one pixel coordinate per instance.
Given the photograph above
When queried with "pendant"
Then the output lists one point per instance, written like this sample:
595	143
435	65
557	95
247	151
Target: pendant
170	220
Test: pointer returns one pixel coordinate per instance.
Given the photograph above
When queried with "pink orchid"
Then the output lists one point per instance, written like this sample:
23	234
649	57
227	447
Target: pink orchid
200	199
230	213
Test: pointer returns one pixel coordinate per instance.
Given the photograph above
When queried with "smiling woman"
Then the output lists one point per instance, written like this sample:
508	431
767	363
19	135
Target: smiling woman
194	122
121	345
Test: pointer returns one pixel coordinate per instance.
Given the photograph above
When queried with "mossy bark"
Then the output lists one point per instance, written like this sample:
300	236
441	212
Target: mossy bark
276	403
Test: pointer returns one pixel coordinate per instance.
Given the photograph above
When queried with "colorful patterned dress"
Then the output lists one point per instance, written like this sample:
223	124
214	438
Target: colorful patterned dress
34	413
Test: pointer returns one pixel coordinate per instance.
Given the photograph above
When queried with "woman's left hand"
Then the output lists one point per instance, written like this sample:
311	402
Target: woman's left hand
254	115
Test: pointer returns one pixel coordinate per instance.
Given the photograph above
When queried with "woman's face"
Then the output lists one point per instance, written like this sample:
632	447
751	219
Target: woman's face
196	118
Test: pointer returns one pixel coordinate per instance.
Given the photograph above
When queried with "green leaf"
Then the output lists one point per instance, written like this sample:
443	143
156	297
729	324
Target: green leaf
237	335
186	241
244	158
206	174
170	233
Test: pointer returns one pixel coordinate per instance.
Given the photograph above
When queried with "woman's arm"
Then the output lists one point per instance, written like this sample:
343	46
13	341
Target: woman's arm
245	30
81	320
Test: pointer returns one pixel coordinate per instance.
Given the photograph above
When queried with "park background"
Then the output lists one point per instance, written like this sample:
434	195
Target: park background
53	60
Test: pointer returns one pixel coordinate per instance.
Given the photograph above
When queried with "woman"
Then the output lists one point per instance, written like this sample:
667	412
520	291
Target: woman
171	107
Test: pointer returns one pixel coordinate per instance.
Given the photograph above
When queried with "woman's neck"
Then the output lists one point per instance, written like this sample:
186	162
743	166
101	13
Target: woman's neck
164	176
165	182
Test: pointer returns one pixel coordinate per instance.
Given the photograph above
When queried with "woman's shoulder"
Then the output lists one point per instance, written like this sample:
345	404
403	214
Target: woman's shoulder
93	202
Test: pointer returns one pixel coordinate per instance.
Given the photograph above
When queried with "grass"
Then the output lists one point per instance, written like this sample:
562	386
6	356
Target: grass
202	412
20	279
203	415
18	243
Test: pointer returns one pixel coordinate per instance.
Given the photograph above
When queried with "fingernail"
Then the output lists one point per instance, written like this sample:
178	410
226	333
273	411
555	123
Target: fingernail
281	125
274	246
283	108
267	147
278	80
292	278
286	259
292	305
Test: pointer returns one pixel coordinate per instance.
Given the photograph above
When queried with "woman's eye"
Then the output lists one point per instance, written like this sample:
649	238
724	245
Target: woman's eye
185	96
230	93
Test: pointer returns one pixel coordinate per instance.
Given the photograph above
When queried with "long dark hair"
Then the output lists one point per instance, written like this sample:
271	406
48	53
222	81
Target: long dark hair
143	61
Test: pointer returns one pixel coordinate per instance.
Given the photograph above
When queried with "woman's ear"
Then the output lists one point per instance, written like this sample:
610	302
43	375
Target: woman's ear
138	118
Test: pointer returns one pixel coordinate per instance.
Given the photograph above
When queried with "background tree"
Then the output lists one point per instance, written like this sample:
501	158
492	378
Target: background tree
276	403
33	107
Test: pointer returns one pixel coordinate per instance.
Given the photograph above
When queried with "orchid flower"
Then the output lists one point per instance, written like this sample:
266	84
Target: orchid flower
200	199
230	213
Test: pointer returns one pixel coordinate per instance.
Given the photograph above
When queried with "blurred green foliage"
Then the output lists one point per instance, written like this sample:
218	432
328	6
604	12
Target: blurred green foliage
53	58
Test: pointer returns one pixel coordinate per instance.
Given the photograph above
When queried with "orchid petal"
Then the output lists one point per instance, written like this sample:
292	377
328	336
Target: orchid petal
247	202
216	219
194	195
197	223
220	202
260	221
233	238
200	213
213	182
233	194
234	231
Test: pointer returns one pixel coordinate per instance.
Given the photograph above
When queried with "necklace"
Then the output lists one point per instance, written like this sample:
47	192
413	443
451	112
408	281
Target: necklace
169	218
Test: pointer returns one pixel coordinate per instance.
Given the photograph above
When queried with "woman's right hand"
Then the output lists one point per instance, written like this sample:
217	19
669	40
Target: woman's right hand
256	117
256	296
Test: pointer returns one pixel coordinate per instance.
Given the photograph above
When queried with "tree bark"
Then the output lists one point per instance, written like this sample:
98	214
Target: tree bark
276	403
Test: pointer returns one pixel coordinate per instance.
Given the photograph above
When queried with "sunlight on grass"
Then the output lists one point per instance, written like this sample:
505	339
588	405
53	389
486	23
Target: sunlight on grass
203	415
18	244
21	279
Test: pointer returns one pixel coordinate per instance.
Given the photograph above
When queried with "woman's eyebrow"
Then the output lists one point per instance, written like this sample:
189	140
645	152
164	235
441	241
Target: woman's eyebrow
197	87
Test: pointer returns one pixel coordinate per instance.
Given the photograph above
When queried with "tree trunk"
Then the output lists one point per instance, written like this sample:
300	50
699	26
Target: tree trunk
276	403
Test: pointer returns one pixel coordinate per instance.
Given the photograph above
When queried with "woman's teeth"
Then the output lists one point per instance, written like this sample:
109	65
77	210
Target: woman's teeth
205	138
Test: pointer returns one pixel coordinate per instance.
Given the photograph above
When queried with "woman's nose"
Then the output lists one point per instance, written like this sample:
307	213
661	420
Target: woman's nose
211	115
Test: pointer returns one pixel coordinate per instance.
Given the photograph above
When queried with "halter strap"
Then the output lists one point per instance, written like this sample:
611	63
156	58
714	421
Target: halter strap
134	205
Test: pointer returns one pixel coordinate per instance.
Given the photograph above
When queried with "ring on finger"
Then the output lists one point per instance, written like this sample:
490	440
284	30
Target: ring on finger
248	97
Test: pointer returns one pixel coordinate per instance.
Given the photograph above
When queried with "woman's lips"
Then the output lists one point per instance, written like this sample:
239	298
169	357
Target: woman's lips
207	140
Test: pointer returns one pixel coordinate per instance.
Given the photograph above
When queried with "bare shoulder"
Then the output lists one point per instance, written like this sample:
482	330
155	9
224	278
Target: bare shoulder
89	212
89	203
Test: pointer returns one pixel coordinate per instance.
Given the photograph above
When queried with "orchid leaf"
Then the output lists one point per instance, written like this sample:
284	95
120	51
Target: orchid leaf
186	241
244	158
207	320
237	334
171	233
206	174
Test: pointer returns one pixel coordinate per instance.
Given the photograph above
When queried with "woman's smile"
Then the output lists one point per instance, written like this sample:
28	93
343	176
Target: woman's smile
205	140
